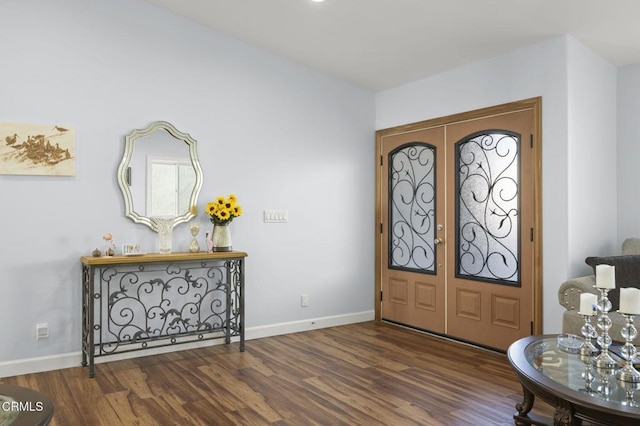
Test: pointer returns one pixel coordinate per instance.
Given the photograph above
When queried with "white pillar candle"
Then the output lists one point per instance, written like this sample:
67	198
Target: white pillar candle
605	276
630	301
587	303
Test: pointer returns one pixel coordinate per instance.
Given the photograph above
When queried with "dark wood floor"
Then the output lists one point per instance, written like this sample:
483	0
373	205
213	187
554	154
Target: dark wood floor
361	374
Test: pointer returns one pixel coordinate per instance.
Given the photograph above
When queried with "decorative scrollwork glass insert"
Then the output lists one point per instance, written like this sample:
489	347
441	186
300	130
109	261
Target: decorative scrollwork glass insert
412	207
487	205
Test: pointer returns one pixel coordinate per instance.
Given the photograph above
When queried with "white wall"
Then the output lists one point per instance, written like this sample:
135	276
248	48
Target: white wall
592	157
628	151
549	70
278	135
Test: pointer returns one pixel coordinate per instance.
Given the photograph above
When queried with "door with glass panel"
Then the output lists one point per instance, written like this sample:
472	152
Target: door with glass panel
413	291
457	211
489	241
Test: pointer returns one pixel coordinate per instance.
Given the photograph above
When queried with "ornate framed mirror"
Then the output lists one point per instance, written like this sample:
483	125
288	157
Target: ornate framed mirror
160	175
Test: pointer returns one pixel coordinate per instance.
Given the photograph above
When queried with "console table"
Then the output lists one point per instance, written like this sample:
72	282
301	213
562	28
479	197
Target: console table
132	303
570	383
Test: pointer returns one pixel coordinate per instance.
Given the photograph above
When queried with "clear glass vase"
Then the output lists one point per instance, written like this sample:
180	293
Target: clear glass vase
165	233
221	238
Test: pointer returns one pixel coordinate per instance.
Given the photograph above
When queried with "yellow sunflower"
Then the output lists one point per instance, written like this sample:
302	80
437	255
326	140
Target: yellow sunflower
223	214
223	210
211	208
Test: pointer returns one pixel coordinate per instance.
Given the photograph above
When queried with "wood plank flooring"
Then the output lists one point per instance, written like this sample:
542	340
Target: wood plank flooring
361	374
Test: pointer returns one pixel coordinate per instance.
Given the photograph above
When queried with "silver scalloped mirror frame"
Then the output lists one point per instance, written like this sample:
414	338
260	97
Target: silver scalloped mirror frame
130	140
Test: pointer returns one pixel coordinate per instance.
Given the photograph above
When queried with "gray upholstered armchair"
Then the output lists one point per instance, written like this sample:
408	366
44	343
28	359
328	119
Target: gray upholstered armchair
627	275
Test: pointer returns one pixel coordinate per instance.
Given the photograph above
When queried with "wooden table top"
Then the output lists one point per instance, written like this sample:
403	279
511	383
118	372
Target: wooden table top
157	257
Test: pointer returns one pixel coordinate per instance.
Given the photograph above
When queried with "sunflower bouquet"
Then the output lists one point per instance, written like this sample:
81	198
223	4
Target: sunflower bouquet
223	210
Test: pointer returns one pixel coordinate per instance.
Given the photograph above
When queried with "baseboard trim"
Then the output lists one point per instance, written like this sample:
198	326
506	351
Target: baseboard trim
308	324
74	359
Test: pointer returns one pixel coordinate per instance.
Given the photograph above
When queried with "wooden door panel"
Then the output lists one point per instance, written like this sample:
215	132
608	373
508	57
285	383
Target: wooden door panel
412	272
505	311
426	296
492	308
398	291
468	304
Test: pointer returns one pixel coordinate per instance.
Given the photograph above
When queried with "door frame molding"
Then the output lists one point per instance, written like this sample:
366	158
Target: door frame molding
533	104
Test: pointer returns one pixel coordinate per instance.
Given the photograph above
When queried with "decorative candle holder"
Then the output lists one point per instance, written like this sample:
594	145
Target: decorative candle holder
604	389
629	392
604	360
628	373
588	375
589	332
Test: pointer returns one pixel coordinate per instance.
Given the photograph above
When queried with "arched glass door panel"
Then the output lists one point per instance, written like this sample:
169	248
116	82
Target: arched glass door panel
488	207
412	172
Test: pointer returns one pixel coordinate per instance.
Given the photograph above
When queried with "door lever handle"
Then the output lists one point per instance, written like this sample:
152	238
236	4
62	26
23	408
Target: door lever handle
438	241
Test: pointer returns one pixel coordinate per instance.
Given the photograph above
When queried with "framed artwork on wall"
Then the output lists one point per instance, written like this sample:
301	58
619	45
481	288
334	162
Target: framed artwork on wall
37	149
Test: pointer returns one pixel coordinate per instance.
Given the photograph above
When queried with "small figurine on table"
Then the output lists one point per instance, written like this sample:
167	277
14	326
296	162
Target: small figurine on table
209	243
109	244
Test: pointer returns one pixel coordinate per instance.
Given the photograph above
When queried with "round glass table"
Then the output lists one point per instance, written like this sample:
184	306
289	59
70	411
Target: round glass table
570	383
24	407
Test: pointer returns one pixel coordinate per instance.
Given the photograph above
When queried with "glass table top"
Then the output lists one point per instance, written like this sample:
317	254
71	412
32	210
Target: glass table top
578	373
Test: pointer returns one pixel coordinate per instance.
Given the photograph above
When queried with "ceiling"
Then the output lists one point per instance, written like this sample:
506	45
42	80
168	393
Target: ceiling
380	44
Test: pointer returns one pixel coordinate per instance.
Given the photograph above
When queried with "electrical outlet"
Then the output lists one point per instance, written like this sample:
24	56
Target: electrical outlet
304	300
42	331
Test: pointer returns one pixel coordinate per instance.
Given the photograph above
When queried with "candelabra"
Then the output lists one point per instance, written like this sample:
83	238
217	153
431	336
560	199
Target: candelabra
589	332
604	360
628	373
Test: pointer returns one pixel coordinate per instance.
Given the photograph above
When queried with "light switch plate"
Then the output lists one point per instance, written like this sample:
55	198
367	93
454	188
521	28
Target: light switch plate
276	216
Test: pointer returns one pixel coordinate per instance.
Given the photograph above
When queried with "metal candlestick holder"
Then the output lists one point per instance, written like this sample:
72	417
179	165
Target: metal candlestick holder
628	373
629	391
589	332
588	375
604	360
604	389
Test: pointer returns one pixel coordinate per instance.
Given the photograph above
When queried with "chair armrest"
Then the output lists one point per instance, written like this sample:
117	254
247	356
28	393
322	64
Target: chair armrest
570	290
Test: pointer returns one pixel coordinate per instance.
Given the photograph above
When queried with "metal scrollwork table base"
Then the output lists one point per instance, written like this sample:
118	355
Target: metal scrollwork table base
132	303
